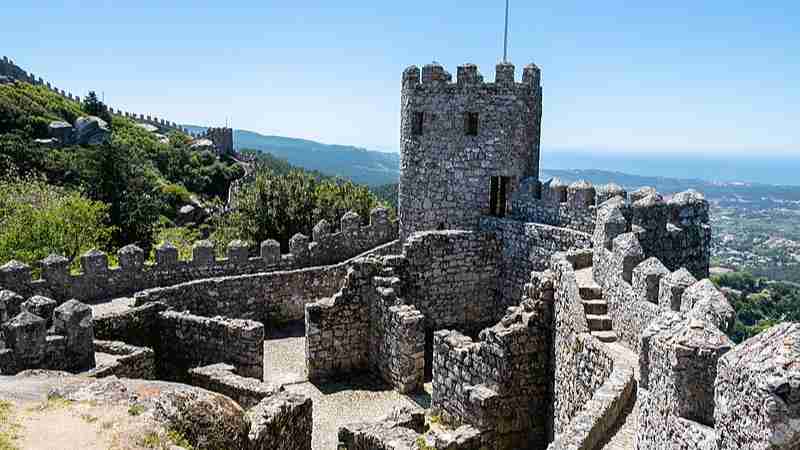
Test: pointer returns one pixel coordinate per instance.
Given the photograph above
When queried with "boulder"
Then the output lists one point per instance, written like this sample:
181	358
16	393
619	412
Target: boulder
61	131
91	130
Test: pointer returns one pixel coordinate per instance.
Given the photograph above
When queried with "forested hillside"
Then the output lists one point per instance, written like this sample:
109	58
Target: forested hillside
134	187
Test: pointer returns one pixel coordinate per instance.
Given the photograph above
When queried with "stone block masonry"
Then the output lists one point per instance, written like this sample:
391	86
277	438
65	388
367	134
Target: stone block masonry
28	343
189	341
678	365
281	422
527	247
757	392
580	366
500	383
459	139
130	361
98	281
337	328
222	378
451	277
266	297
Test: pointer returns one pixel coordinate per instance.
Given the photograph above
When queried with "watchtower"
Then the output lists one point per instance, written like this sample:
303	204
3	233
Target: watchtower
465	146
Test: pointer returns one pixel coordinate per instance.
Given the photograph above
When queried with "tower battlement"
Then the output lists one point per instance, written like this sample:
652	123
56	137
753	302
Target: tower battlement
465	145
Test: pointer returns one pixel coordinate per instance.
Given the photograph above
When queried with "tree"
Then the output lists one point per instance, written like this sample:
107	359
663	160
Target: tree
280	206
37	219
94	107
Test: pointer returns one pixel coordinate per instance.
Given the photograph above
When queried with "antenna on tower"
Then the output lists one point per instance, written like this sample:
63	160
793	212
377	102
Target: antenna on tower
505	37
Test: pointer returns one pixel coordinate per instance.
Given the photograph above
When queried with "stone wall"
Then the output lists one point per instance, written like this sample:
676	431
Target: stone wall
527	247
14	72
129	362
445	172
135	326
266	297
29	342
222	378
678	365
580	366
500	383
99	281
337	328
757	392
189	341
283	421
637	285
451	277
554	203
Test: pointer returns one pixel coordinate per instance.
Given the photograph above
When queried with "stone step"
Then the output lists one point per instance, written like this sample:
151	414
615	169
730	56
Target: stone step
595	307
605	336
387	293
385	281
387	271
598	322
592	292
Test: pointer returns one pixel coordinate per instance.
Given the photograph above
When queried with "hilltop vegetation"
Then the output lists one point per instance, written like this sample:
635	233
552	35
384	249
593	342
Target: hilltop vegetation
759	302
125	190
129	190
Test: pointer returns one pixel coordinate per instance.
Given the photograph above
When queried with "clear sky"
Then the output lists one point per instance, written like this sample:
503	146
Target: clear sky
688	76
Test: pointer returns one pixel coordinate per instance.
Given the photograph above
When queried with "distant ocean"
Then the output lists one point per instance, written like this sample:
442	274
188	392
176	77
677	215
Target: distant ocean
781	169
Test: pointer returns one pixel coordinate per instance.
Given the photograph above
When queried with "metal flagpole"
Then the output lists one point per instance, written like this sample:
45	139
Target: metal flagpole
505	38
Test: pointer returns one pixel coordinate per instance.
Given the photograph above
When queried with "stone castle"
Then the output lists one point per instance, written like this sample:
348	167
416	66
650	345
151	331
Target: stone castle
533	315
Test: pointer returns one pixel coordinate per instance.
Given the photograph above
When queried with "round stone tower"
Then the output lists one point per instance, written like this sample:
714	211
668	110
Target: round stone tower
465	146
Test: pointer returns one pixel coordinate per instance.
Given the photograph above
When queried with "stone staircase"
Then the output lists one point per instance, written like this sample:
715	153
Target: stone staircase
387	285
595	306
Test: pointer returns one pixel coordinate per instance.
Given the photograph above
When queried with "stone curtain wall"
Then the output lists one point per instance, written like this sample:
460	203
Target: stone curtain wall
527	247
500	384
580	366
189	341
222	378
761	378
630	270
130	361
445	174
63	341
396	331
554	203
99	281
450	276
678	365
698	391
266	297
366	326
337	328
135	326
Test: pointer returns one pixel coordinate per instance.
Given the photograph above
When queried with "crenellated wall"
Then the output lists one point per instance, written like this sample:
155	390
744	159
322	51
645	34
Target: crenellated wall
98	281
14	72
62	340
630	265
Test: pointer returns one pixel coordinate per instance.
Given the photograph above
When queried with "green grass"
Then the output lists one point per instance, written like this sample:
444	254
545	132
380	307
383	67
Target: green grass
8	429
422	444
159	441
135	410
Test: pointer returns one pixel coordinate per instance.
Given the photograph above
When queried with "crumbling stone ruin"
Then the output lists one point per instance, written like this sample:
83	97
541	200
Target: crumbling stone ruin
529	314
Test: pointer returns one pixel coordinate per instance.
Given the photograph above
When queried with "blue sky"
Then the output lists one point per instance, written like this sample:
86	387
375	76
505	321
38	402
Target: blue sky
717	77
